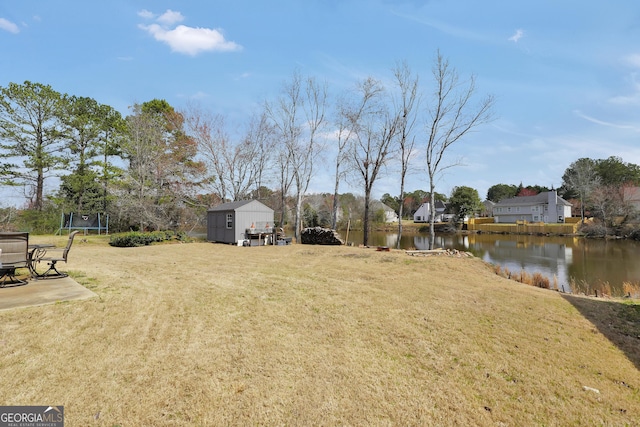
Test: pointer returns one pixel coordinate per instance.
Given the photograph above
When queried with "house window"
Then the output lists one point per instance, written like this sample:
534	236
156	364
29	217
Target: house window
229	220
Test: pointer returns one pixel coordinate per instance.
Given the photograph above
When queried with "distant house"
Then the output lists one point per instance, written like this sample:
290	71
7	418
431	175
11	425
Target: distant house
390	216
545	207
229	222
423	213
631	196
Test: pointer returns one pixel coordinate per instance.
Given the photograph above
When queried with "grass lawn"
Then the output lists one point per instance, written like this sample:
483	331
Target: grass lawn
204	334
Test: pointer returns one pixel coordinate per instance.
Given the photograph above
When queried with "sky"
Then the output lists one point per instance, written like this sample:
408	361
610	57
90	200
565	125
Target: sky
565	74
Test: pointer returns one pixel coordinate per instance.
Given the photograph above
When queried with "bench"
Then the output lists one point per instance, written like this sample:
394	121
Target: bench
14	254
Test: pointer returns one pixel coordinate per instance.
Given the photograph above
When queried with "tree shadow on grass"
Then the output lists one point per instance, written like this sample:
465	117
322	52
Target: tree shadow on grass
618	321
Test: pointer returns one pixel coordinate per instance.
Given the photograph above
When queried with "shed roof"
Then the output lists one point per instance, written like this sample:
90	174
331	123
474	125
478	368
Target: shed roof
232	206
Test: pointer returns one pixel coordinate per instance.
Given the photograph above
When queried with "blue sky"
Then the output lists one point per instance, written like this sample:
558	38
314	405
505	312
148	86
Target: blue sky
565	74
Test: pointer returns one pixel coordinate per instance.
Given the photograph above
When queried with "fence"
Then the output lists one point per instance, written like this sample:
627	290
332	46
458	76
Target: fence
487	225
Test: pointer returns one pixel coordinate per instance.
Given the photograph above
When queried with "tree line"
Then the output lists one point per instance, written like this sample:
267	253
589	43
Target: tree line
607	190
160	167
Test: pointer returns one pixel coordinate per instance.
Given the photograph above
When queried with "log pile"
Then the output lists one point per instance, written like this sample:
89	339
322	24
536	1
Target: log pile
320	236
441	252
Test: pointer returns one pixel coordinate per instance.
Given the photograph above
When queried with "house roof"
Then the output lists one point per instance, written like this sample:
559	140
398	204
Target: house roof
376	204
232	206
440	205
538	199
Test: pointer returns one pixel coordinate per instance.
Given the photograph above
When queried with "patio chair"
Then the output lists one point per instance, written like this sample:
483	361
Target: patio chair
52	272
13	255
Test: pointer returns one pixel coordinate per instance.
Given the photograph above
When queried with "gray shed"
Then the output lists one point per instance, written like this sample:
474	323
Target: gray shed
229	222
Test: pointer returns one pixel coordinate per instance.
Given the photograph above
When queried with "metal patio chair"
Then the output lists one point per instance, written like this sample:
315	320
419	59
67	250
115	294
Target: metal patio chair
52	272
13	255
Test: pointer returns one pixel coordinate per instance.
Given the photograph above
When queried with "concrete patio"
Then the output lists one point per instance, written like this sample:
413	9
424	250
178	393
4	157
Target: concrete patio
40	292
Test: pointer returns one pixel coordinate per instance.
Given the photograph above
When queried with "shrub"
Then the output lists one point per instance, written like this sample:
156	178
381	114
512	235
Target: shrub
594	230
540	281
136	238
631	290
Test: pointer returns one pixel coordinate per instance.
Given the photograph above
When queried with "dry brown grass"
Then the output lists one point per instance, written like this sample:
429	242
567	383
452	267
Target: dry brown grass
213	335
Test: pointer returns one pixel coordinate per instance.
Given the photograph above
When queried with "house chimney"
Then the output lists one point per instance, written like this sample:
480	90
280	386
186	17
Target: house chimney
552	201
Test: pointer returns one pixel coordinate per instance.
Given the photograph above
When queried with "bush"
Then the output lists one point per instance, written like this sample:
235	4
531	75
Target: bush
136	238
594	230
45	221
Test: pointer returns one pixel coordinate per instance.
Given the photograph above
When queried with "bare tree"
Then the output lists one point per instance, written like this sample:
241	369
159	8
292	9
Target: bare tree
299	116
261	135
373	134
582	178
348	116
407	84
285	178
238	163
610	203
451	115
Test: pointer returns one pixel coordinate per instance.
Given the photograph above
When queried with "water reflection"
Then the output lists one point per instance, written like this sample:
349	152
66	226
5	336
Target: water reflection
590	260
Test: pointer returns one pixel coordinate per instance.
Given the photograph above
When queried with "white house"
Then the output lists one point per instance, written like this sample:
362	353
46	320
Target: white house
545	207
423	213
390	216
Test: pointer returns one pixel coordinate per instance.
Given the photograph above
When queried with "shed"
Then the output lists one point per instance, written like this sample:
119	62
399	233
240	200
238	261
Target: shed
229	222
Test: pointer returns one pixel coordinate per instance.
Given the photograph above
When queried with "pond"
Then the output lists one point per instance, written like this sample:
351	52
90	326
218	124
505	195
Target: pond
597	263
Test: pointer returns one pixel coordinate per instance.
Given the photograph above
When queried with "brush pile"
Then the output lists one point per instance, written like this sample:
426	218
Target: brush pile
441	252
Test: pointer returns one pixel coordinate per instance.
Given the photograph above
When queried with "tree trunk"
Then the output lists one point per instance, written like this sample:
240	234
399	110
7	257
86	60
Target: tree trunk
400	212
365	231
432	216
334	213
298	227
39	204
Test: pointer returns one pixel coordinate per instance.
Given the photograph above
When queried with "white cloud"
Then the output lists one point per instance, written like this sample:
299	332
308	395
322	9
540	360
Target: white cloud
633	60
602	122
170	17
144	13
446	28
9	26
517	36
184	39
191	41
197	96
631	99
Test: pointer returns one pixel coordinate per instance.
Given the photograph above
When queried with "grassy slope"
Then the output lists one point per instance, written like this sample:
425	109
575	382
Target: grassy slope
205	334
